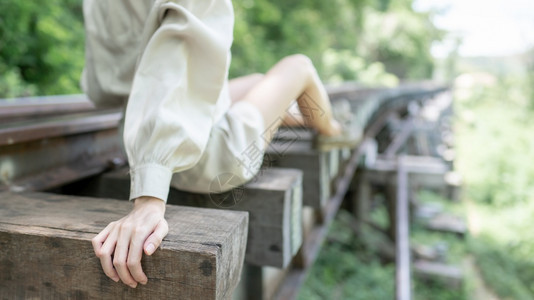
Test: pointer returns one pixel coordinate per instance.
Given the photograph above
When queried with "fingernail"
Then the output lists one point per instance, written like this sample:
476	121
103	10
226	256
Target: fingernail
143	282
150	249
133	285
116	279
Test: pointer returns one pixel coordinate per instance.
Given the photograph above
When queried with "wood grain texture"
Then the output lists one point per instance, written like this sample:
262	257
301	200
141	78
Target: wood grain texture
46	250
315	167
273	200
52	162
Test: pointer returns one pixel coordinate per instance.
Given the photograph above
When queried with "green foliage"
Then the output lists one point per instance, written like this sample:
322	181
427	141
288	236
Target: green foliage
503	270
361	40
495	141
342	65
348	266
503	248
41	42
41	47
13	85
495	147
346	270
400	38
456	251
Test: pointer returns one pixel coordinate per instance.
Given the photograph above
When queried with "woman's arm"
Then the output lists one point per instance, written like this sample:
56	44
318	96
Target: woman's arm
177	87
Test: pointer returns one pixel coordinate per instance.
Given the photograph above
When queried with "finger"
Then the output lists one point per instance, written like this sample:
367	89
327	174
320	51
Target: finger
99	239
120	256
135	254
105	252
154	240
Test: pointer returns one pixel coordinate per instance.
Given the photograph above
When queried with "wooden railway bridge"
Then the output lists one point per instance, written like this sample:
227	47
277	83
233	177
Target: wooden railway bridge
61	163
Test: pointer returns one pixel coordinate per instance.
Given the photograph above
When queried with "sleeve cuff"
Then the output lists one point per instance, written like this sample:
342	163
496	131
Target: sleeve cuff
150	180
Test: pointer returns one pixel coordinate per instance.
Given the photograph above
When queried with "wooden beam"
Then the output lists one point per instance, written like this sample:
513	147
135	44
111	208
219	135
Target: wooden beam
31	107
400	138
44	153
452	276
52	162
314	165
447	223
294	278
403	286
427	172
361	199
273	200
276	283
58	126
412	164
47	252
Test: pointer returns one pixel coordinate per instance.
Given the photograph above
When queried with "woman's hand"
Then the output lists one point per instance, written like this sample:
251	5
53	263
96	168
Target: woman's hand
120	245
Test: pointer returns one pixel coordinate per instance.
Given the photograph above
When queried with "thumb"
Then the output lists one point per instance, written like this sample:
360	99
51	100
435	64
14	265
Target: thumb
154	240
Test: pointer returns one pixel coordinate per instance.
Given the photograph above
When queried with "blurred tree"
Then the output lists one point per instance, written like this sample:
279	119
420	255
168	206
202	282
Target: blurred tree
41	46
41	42
386	32
401	39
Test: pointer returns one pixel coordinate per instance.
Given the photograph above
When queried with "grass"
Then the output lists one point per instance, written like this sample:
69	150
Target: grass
349	266
495	148
345	269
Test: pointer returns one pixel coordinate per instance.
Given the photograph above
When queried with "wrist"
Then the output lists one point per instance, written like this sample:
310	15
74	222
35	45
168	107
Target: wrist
149	201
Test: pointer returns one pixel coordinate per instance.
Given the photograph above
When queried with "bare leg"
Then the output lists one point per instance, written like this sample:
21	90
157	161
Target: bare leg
294	77
293	116
240	86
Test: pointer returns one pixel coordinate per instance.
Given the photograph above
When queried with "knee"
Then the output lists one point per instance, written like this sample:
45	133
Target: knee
299	62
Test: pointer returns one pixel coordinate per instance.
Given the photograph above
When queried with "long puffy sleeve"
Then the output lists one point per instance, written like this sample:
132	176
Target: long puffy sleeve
178	92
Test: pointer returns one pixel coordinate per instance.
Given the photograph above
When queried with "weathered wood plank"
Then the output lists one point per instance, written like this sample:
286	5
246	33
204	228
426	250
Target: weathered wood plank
47	252
52	151
362	199
314	165
403	286
44	164
273	200
294	278
18	108
55	126
423	171
448	223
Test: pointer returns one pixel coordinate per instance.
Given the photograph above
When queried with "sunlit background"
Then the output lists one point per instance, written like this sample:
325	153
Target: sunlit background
485	27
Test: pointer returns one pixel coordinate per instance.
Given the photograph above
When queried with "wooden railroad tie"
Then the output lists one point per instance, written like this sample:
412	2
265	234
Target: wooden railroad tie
273	200
46	250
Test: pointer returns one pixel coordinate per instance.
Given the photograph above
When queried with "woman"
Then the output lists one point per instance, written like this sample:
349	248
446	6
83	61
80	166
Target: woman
184	122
